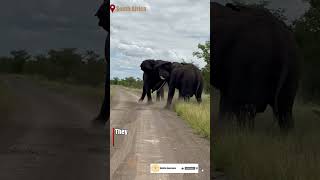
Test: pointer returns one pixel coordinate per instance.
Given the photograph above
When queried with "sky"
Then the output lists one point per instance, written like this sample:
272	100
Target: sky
168	30
39	25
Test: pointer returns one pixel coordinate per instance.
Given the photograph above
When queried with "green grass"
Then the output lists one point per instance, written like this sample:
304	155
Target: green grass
112	91
266	154
196	115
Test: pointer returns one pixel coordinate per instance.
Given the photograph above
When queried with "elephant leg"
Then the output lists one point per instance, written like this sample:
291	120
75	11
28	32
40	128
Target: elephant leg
187	98
162	93
158	95
144	92
180	95
285	103
241	118
285	118
252	111
198	97
246	116
199	94
149	96
222	108
170	96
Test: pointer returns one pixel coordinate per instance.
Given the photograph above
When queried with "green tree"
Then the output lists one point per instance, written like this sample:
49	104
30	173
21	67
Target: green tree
115	81
204	53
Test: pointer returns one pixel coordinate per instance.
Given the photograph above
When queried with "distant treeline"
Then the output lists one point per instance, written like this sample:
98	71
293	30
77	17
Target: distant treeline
67	65
202	53
128	82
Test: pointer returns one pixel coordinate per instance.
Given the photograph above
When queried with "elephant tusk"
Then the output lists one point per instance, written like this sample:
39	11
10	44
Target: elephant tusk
164	82
162	78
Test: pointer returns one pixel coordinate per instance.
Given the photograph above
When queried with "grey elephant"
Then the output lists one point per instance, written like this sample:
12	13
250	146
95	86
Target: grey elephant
151	81
185	77
255	63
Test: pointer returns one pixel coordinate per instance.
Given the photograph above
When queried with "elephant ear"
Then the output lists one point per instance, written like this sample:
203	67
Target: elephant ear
161	63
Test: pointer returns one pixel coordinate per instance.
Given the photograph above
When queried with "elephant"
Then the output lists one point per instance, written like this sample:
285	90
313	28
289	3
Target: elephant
151	81
255	64
185	77
103	15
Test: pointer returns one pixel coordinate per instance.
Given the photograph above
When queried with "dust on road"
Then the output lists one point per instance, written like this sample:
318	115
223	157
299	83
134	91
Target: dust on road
50	137
155	135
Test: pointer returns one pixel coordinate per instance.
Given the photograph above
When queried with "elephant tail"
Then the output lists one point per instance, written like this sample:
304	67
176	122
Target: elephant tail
198	87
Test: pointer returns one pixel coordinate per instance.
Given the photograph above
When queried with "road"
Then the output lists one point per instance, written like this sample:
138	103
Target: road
49	136
155	135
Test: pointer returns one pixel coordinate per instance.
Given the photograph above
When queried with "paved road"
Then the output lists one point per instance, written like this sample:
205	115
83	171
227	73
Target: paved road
50	137
155	135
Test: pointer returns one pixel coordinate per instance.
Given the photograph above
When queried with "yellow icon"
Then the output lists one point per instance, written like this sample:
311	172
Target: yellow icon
155	168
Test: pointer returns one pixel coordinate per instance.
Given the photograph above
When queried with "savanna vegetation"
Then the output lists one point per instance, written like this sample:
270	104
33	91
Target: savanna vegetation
68	70
64	65
265	153
128	82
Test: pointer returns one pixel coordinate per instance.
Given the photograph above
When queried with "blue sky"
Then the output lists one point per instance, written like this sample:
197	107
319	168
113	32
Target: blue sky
168	30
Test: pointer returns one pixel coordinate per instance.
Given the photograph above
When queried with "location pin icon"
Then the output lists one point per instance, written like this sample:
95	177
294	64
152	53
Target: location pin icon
112	7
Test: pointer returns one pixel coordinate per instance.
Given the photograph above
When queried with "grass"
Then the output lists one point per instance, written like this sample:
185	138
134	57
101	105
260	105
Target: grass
266	154
196	115
85	91
6	99
112	91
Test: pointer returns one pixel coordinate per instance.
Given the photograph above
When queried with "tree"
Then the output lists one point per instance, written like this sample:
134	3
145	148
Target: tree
204	53
115	81
307	32
66	60
19	59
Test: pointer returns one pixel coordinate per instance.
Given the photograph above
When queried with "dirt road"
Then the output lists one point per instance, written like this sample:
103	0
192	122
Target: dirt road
49	136
155	135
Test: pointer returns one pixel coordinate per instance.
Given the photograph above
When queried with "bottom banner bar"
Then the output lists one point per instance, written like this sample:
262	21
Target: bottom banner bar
174	168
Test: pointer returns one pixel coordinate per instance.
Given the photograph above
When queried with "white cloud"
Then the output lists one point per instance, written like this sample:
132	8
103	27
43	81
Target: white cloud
169	30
